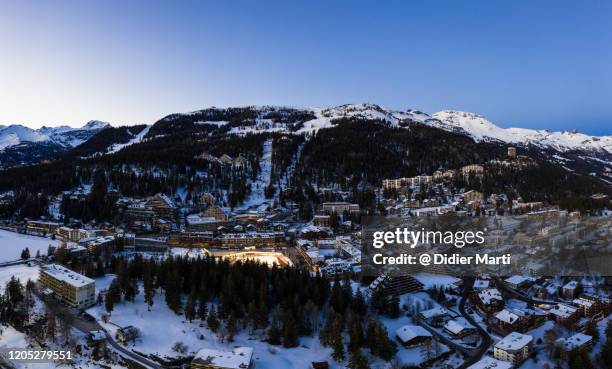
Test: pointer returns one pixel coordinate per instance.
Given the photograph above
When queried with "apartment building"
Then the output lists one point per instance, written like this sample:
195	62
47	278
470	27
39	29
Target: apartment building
514	348
73	288
340	207
41	227
472	169
252	239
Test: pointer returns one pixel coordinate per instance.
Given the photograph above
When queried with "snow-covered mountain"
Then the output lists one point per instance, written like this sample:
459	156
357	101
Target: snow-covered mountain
23	145
473	125
65	136
481	129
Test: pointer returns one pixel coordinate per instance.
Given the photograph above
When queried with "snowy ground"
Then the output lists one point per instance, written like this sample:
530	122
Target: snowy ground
420	301
436	280
258	187
11	245
160	329
23	272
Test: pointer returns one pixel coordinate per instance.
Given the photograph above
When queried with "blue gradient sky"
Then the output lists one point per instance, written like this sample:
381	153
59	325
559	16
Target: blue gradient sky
542	64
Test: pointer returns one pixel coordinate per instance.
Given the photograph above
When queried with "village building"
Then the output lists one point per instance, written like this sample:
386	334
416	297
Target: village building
340	208
514	348
39	227
435	317
570	289
472	196
564	314
252	239
472	169
490	300
459	327
216	212
71	287
488	362
163	206
412	335
321	220
517	281
577	342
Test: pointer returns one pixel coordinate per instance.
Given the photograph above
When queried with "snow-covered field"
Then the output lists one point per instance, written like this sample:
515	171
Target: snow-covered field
11	245
160	329
23	272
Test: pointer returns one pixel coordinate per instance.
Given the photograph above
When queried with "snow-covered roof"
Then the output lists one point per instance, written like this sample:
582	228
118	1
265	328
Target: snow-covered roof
563	310
409	332
488	362
583	302
571	285
517	279
514	341
575	341
455	326
238	358
432	313
481	284
66	275
194	219
487	296
508	316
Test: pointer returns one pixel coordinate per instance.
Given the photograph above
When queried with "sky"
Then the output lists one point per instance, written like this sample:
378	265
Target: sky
534	64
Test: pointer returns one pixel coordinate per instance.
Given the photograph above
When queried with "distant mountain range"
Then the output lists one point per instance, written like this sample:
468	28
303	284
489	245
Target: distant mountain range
572	150
23	145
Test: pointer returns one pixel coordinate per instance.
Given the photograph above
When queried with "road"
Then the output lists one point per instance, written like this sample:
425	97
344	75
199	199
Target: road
485	342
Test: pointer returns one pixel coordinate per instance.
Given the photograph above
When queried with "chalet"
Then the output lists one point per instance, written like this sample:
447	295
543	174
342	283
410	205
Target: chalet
513	320
126	334
435	317
490	300
459	327
412	335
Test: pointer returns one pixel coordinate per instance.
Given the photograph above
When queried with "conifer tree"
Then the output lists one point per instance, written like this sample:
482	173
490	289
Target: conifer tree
212	321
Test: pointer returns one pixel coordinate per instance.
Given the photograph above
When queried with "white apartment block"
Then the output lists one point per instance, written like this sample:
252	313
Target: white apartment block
73	288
